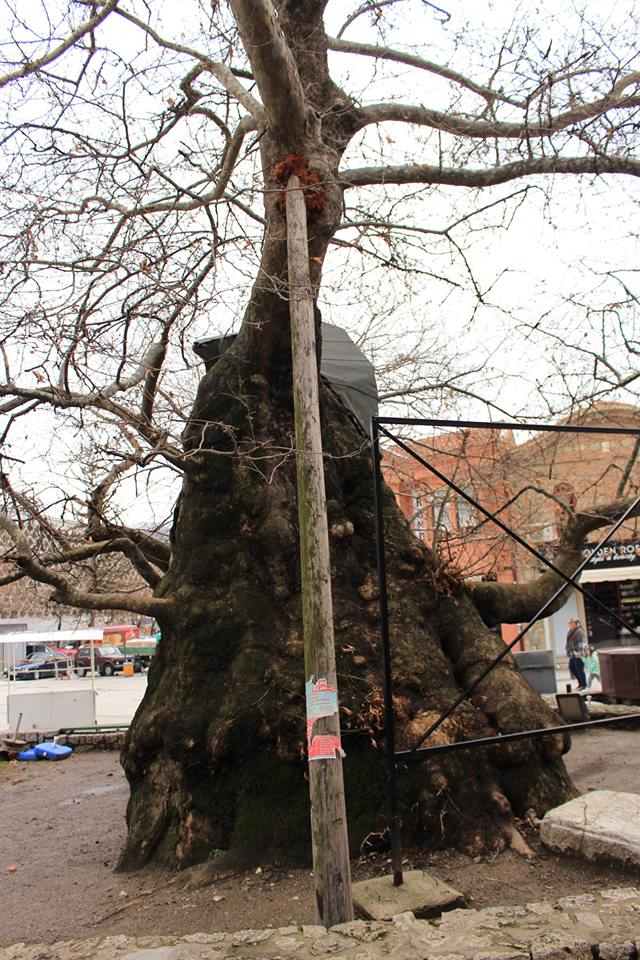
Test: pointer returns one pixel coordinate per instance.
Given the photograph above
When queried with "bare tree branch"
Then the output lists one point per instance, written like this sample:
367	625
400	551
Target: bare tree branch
33	66
465	177
466	126
219	70
274	69
100	400
398	56
65	592
519	602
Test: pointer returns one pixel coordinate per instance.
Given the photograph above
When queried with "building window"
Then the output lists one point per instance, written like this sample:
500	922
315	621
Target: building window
547	532
441	506
466	511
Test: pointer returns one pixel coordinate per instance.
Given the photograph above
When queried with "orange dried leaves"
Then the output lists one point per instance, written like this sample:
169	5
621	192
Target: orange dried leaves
315	195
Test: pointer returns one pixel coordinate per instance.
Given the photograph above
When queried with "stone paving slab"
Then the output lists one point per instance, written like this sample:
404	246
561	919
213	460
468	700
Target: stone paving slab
601	823
422	894
604	926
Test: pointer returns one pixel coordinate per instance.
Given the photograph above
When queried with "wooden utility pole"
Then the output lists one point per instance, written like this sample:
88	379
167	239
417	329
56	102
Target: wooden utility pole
331	868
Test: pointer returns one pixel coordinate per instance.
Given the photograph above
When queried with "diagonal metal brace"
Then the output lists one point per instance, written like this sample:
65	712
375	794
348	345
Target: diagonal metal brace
569	581
465	694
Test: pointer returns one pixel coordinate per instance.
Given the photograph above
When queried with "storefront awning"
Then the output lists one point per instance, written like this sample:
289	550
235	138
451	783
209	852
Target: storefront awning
611	574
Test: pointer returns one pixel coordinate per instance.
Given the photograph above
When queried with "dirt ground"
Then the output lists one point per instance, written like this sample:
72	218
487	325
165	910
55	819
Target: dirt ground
62	825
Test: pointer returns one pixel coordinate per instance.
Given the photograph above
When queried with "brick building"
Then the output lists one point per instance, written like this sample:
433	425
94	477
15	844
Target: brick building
477	462
529	484
583	471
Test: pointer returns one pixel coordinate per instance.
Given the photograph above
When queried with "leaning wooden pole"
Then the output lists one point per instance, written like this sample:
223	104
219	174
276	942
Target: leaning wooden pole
330	844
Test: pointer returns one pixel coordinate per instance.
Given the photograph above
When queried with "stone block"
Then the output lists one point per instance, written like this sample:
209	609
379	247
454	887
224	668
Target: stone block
207	938
366	931
540	908
325	945
602	823
577	902
250	937
287	944
618	894
177	952
502	955
511	912
420	894
590	921
617	948
313	930
352	928
559	946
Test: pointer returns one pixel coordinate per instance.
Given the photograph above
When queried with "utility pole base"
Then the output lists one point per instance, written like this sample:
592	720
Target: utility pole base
420	893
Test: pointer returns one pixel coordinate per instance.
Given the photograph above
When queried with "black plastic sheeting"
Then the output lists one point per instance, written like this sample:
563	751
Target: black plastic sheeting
343	366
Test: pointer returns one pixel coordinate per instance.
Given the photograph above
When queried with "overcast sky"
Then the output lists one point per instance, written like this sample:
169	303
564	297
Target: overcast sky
561	244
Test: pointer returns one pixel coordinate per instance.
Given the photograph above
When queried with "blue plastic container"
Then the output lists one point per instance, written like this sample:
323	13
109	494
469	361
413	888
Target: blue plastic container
52	751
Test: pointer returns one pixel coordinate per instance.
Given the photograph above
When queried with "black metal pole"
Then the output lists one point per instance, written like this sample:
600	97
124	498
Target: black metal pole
426	752
389	723
507	425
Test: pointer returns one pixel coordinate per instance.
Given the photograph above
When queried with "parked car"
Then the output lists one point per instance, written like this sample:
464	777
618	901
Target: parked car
107	660
44	649
42	664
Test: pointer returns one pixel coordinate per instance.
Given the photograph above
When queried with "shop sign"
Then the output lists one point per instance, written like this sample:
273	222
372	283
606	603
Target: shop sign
613	555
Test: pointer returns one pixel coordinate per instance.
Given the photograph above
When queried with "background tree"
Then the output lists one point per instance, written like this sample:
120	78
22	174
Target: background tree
146	156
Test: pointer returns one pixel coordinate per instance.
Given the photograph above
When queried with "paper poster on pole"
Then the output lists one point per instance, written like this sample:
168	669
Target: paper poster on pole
322	701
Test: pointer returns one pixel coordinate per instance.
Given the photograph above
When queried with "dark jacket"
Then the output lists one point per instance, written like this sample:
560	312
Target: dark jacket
576	642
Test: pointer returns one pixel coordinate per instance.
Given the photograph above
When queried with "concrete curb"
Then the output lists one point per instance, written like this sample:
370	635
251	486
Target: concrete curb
604	926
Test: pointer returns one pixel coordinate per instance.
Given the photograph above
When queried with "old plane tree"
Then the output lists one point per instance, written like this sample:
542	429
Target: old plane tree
146	152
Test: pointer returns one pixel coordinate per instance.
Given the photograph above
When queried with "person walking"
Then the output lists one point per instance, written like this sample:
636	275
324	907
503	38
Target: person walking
576	643
591	663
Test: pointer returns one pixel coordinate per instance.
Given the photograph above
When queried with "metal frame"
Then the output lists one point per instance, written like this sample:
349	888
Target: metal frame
417	752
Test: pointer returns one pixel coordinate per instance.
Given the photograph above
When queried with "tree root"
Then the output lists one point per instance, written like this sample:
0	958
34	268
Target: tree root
519	845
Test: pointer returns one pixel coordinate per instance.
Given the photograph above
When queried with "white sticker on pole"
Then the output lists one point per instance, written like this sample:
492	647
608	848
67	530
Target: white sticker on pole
322	701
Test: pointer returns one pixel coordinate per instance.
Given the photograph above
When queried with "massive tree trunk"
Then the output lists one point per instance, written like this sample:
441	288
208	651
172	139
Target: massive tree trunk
216	754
